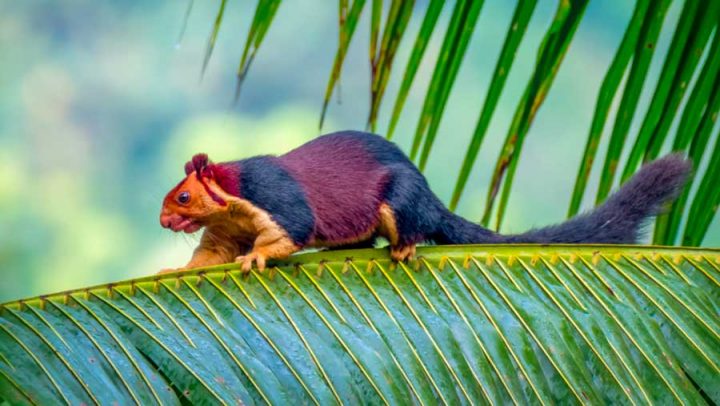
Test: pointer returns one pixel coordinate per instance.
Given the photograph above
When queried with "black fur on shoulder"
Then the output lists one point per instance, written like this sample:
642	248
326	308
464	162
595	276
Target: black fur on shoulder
267	185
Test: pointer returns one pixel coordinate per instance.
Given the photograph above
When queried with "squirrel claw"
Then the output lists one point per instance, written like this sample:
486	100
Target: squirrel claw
402	254
247	261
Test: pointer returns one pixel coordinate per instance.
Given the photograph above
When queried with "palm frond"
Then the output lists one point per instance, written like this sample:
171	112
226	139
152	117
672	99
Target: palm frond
609	88
644	51
515	33
183	27
347	29
665	229
264	14
667	226
680	42
375	22
423	38
482	324
703	24
550	55
213	35
397	21
451	55
707	200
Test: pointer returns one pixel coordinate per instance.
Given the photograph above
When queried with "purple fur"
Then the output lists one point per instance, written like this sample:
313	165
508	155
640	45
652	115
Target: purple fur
343	185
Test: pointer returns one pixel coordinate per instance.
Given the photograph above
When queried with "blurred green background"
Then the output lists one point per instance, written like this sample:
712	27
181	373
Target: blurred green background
101	105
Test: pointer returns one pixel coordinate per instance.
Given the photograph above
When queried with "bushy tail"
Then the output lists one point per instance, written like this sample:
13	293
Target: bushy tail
618	221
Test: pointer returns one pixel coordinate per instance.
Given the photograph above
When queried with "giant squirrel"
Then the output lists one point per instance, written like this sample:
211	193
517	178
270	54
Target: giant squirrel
347	188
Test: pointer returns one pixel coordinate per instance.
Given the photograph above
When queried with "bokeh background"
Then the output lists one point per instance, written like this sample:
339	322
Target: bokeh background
101	104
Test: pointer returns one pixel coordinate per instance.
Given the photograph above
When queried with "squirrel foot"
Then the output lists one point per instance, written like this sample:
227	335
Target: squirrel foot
402	253
247	261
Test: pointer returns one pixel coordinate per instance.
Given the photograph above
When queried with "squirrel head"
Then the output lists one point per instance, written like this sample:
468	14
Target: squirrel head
196	199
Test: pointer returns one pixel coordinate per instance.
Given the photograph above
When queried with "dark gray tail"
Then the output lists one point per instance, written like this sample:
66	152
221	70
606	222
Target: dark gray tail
618	221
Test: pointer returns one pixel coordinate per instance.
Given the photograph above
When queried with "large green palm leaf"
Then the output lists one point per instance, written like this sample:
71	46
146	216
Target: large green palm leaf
472	324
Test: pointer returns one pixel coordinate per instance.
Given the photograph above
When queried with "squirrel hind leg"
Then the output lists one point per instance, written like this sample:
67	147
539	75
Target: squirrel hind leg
410	212
400	249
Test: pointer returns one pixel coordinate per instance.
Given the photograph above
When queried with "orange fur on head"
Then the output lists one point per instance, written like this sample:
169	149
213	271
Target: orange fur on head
192	203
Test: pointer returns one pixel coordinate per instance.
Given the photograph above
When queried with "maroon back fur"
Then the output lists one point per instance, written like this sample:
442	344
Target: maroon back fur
343	184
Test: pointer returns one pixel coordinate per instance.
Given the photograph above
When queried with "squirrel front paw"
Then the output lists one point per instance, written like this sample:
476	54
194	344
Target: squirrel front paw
247	261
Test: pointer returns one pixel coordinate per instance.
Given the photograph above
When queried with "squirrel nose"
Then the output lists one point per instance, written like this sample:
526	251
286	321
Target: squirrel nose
165	221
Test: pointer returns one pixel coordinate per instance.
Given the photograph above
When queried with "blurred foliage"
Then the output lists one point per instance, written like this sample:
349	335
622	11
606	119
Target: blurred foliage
100	106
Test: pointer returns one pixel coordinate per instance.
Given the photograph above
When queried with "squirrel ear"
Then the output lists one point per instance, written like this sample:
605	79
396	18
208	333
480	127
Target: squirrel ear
189	168
200	161
197	164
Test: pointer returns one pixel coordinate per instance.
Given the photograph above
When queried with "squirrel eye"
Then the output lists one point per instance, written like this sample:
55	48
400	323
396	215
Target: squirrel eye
183	197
